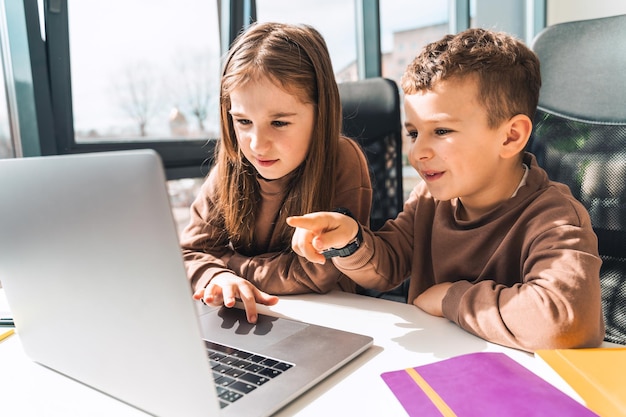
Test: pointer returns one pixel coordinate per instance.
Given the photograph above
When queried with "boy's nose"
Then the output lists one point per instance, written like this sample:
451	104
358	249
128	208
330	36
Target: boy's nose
420	150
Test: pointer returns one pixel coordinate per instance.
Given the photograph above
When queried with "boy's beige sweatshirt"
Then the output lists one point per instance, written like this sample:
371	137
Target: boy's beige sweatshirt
526	274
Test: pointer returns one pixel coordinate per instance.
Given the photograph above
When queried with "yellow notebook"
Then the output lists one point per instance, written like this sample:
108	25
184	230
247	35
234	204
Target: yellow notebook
598	375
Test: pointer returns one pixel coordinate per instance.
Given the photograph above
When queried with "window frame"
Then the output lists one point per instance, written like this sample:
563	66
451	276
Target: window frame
47	127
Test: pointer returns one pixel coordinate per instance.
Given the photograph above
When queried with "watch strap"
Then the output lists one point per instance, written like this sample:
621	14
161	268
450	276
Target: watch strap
352	246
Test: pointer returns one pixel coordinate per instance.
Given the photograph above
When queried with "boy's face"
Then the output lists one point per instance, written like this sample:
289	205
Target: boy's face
453	148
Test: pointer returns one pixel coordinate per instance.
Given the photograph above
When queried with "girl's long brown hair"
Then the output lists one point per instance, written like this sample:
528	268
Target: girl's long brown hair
296	58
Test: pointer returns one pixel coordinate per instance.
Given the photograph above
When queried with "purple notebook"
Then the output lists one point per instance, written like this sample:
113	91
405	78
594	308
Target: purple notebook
479	385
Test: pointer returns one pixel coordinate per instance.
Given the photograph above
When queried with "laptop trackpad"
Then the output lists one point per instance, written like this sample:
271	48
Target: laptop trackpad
229	326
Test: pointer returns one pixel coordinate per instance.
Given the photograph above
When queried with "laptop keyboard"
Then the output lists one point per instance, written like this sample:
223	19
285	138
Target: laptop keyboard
238	373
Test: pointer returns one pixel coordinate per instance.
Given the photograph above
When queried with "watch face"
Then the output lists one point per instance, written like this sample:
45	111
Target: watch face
343	211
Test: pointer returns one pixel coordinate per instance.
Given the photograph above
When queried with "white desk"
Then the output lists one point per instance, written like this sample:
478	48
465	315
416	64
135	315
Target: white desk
403	336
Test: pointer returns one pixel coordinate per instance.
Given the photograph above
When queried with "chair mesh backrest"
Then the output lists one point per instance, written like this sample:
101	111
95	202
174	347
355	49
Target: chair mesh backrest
580	138
590	158
386	179
371	116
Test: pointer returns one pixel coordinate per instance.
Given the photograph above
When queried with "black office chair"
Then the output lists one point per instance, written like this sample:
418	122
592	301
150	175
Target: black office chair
371	116
580	138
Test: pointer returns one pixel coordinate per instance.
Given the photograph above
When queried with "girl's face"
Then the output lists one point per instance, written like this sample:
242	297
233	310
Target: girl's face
273	127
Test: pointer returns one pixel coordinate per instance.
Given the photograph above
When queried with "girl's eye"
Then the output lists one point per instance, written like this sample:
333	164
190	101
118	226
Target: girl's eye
278	123
243	121
412	135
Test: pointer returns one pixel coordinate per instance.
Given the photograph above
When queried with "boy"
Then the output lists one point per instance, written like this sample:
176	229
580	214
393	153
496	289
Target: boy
488	241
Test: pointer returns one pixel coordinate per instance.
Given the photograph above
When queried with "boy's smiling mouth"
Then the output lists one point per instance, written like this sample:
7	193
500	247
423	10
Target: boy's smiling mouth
432	175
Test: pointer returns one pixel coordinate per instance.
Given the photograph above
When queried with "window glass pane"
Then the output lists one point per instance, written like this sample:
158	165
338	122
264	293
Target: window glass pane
334	19
406	26
6	145
144	69
509	16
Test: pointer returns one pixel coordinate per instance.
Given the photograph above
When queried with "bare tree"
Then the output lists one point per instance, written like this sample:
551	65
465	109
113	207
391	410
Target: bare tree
139	94
196	81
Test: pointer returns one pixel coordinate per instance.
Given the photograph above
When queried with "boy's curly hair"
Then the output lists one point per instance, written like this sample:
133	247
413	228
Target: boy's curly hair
507	70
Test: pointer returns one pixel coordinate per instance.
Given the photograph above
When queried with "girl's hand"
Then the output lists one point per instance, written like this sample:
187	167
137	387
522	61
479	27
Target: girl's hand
226	288
316	232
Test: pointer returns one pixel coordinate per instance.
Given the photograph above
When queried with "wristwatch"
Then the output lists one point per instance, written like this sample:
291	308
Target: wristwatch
352	246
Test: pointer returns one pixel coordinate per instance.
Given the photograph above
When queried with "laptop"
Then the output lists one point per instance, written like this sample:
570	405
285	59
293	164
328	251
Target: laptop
92	270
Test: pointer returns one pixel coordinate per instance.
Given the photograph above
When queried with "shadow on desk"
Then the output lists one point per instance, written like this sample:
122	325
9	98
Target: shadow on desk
427	339
409	328
424	333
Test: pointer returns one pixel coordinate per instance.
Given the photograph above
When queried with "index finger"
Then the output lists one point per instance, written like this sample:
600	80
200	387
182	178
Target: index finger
314	222
325	230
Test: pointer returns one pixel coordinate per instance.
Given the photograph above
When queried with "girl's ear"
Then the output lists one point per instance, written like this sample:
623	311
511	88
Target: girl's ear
518	131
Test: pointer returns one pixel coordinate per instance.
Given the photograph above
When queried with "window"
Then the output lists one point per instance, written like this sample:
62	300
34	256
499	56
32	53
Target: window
406	26
143	74
144	69
127	74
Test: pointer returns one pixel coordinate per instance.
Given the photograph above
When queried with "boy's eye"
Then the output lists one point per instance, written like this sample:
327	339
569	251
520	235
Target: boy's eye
278	123
442	132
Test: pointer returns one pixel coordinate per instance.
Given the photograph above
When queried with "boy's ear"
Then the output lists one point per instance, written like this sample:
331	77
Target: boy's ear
518	131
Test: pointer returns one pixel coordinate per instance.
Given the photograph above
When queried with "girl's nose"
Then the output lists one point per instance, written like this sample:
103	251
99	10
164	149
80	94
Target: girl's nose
259	142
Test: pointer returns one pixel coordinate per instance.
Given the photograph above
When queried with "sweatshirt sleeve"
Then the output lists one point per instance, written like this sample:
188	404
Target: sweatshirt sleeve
386	256
205	249
557	304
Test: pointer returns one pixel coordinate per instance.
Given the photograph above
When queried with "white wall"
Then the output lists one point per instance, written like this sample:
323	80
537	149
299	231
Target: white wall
559	11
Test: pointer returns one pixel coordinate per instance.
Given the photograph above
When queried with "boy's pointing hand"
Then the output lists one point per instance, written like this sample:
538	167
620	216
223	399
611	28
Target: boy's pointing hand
316	232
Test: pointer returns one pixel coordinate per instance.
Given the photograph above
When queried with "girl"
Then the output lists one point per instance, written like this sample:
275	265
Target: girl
280	154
